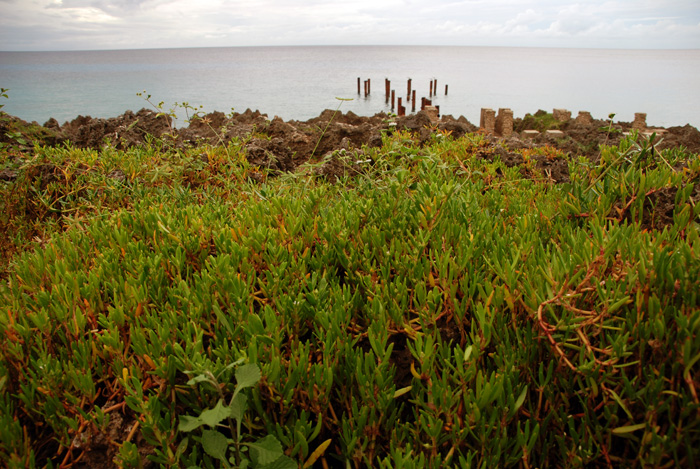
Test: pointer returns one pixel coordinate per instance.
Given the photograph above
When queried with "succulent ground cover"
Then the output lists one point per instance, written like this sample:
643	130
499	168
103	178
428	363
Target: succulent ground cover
428	302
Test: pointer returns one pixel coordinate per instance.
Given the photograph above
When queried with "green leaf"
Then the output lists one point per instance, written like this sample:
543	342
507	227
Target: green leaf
468	353
266	450
628	428
189	423
234	364
520	400
686	371
215	444
619	304
283	462
239	404
318	452
213	417
198	379
182	447
247	376
620	403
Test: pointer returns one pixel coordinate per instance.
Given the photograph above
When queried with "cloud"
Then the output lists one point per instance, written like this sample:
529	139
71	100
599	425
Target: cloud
99	24
574	20
119	7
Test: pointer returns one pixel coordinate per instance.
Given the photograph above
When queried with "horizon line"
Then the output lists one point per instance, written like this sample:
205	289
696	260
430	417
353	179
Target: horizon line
363	45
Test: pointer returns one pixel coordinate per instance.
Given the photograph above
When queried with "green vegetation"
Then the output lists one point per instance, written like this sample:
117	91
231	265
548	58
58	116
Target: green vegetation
432	308
540	121
15	134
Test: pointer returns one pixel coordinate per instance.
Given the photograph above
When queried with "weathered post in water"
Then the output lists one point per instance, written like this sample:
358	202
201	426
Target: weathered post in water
430	95
387	88
393	96
435	86
445	90
409	89
413	101
358	85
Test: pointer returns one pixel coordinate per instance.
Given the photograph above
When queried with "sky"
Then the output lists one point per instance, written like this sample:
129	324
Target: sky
136	24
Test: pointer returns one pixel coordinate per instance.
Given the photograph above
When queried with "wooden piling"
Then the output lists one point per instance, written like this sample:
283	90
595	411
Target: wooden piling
413	101
358	85
435	86
409	89
387	88
401	109
393	96
431	89
445	90
369	86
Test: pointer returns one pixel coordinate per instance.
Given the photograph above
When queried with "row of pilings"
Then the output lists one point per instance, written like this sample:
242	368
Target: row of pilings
397	103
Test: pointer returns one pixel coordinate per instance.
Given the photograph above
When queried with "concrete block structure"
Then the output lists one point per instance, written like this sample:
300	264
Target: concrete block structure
555	133
488	120
658	132
504	122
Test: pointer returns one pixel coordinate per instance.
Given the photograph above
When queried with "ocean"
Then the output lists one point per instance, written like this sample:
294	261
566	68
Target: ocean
300	82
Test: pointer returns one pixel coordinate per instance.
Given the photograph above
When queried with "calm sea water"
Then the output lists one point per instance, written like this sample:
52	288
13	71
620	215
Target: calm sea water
300	82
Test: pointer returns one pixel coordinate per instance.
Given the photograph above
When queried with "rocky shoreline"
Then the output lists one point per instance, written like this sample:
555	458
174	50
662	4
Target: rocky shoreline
284	145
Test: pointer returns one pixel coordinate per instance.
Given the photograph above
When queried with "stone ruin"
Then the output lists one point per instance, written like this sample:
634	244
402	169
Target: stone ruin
640	121
562	115
433	113
501	125
487	122
584	118
504	122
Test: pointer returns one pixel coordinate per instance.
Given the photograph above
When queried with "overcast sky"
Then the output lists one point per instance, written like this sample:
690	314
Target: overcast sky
128	24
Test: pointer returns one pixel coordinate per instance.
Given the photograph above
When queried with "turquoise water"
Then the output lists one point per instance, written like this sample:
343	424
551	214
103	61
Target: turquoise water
300	82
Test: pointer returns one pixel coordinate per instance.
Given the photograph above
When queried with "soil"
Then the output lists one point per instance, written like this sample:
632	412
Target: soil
658	207
100	448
